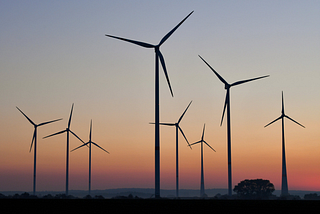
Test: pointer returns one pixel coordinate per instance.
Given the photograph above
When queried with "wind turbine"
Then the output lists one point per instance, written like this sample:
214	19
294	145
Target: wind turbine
158	55
90	142
284	182
67	157
227	86
34	138
202	174
177	152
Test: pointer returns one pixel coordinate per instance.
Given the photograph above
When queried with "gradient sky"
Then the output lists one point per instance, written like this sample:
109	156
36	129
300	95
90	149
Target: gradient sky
55	53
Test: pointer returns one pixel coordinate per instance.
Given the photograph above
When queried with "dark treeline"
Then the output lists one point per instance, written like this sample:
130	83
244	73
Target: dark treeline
25	195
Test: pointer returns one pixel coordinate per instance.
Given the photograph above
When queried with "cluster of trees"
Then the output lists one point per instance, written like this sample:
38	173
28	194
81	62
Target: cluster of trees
254	189
263	189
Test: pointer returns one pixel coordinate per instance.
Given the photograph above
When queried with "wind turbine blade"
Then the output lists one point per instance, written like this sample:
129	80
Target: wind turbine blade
41	124
244	81
27	117
54	134
209	145
33	138
203	132
164	69
143	44
225	105
273	121
173	30
100	147
184	112
282	111
168	124
76	136
196	142
69	123
184	136
90	131
79	146
216	73
294	121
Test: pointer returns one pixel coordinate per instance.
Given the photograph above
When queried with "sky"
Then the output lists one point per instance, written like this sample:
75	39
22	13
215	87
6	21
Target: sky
55	53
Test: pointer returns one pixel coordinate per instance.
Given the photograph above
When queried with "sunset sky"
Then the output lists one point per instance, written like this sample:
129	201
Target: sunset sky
55	53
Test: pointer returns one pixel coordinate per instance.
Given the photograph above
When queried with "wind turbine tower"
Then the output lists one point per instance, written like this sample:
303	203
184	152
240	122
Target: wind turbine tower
227	86
284	182
158	55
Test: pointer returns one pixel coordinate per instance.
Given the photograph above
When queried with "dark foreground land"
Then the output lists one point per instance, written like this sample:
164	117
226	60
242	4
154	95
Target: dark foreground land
155	205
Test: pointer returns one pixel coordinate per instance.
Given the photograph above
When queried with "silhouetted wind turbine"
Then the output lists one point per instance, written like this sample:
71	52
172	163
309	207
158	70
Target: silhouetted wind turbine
284	182
90	142
202	174
34	138
67	157
177	151
158	55
227	86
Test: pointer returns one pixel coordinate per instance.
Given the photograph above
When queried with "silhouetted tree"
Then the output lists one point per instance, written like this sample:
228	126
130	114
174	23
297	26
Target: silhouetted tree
254	189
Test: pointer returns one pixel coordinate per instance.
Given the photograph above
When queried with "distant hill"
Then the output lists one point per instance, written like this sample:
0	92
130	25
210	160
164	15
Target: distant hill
148	192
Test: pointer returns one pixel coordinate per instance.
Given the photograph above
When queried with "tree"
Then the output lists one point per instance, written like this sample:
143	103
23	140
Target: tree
254	189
